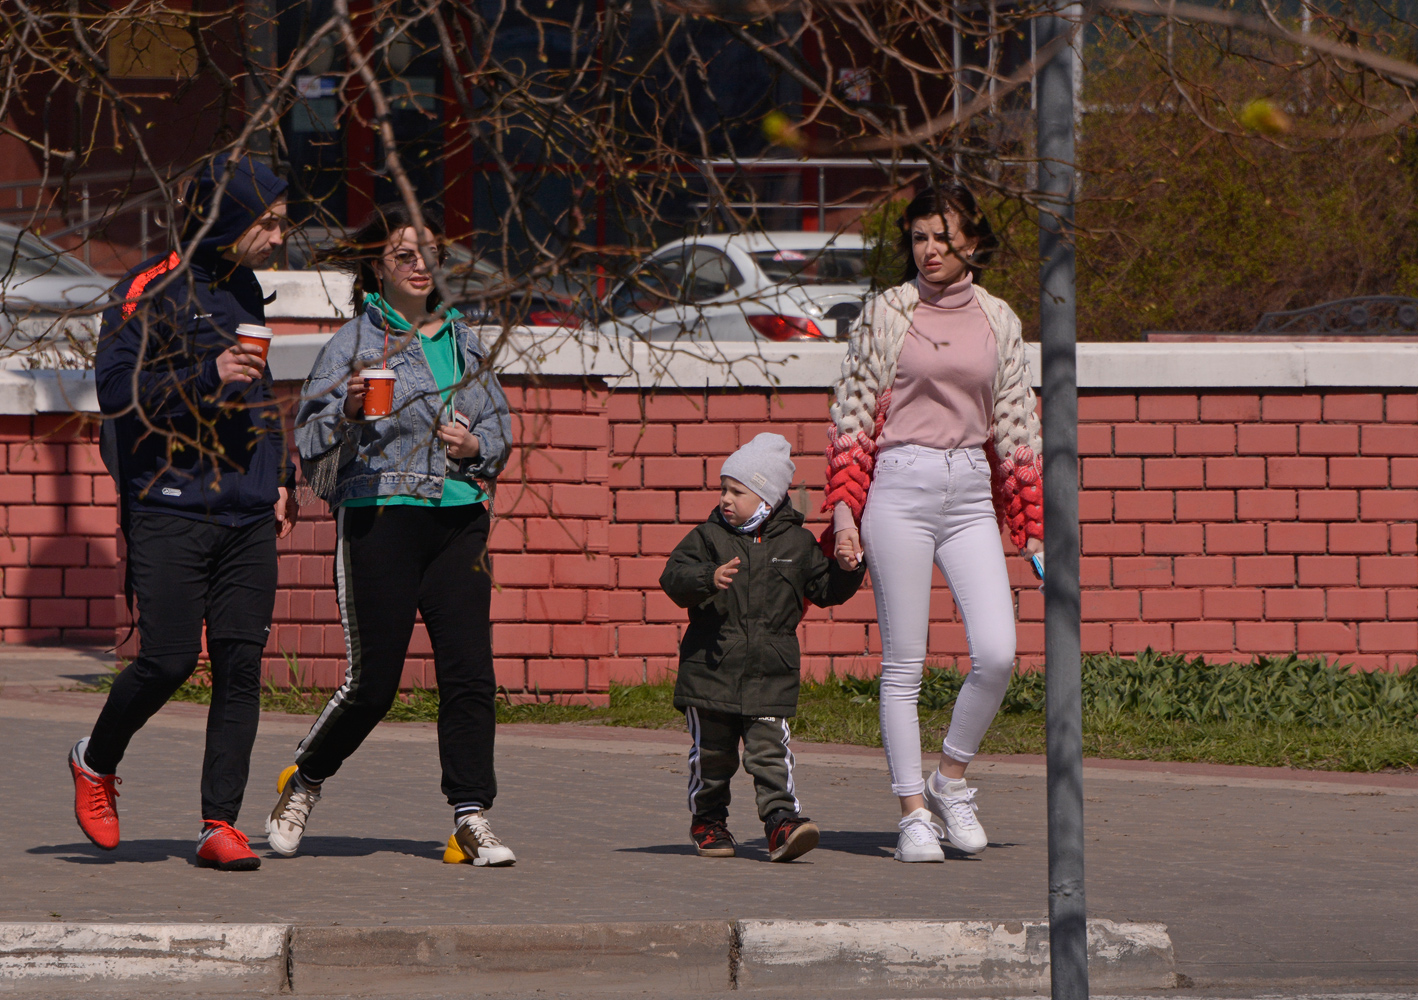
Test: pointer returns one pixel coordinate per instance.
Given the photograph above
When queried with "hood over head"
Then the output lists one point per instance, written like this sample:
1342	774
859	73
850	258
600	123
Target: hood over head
252	190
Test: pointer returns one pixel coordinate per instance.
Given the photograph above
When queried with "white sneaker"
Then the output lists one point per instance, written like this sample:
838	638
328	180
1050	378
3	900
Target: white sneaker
955	807
286	824
920	838
474	843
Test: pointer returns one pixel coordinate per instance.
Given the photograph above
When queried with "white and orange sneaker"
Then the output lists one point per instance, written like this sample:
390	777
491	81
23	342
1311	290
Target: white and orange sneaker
474	843
286	824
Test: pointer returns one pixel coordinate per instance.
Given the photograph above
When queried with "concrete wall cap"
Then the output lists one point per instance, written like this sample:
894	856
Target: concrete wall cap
307	294
634	364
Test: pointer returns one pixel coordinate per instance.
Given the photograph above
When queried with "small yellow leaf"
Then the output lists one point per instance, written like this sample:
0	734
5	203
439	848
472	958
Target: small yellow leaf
1263	116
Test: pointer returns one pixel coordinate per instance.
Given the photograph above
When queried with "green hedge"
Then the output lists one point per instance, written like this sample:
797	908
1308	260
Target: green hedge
1278	690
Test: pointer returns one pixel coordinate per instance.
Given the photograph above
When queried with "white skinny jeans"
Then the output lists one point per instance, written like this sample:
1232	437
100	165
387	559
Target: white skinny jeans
925	506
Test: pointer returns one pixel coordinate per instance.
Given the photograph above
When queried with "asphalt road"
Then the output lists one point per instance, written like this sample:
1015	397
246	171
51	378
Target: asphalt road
1267	880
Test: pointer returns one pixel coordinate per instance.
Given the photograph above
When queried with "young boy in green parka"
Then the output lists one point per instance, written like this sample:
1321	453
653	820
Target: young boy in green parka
745	575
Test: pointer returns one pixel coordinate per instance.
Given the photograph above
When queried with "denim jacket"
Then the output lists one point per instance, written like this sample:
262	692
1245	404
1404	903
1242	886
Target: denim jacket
400	453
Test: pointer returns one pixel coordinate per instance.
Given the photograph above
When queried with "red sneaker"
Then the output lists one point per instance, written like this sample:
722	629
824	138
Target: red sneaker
95	799
223	847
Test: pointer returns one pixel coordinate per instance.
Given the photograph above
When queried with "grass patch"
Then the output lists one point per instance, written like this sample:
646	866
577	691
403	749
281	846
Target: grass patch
1276	711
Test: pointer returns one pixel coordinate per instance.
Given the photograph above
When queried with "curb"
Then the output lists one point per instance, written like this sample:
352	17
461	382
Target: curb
956	954
700	955
685	955
172	953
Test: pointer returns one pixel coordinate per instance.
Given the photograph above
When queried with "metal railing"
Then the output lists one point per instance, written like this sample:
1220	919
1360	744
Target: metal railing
87	220
821	166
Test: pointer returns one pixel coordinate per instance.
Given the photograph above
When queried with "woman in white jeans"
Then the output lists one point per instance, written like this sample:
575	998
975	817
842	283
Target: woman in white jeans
934	446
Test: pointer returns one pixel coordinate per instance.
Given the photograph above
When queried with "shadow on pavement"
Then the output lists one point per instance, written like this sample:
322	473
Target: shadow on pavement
658	849
127	852
363	847
871	843
149	851
746	851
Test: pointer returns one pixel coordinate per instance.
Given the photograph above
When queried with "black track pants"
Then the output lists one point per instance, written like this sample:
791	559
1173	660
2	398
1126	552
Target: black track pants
391	562
714	757
186	573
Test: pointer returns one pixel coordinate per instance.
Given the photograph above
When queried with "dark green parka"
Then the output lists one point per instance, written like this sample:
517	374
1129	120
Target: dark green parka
740	652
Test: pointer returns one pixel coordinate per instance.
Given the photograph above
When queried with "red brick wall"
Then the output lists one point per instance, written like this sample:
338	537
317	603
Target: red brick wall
1232	524
1216	523
59	519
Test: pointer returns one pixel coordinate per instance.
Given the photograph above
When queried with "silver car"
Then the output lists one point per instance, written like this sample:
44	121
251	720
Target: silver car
49	303
778	286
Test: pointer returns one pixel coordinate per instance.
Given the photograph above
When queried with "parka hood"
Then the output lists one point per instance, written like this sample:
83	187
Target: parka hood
251	191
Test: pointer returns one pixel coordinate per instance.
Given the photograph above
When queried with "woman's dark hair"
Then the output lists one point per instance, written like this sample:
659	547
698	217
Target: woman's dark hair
940	201
356	254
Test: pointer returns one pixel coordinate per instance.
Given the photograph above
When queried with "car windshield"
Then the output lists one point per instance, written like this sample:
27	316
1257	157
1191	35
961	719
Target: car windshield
24	256
814	267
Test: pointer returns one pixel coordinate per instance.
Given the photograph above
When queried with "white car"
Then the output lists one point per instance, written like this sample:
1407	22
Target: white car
741	287
49	303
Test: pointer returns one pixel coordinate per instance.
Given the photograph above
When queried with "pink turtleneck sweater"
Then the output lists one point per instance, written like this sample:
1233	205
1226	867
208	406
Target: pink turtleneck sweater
944	390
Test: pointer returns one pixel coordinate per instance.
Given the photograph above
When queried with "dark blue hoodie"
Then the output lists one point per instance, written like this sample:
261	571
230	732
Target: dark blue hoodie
187	445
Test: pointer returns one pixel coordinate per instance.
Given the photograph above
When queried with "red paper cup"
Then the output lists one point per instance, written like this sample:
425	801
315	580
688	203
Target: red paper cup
378	392
258	337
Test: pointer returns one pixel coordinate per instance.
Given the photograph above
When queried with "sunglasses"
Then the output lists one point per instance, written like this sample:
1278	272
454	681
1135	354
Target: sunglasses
408	260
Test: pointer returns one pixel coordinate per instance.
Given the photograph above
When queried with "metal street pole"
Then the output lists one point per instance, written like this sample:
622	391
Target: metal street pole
1068	928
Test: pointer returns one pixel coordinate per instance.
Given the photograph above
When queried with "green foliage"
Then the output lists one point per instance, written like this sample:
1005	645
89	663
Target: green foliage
1184	227
885	262
1280	690
1276	711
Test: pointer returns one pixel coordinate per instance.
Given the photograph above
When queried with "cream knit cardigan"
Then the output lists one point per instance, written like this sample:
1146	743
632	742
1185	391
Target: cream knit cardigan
863	395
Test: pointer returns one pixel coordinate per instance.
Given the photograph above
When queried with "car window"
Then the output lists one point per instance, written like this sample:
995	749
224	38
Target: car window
659	283
814	267
24	256
711	274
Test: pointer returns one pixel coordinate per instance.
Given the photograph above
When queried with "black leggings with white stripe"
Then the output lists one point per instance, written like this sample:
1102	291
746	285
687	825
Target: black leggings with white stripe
390	563
714	757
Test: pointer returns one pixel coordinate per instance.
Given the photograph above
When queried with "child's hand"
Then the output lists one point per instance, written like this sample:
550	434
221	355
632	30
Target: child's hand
848	549
724	575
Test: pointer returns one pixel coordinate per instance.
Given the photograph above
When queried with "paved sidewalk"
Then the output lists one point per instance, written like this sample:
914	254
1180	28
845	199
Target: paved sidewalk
1263	876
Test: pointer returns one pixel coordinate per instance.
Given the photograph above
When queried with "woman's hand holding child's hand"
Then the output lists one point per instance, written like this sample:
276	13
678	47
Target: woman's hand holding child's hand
848	549
724	575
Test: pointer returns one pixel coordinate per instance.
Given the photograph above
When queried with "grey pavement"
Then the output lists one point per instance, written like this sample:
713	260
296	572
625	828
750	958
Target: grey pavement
1275	880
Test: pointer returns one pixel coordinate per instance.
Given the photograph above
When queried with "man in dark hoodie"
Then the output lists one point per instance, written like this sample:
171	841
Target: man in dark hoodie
196	444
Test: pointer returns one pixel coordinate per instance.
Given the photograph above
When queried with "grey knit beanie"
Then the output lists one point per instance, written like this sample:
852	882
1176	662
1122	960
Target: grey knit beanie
764	466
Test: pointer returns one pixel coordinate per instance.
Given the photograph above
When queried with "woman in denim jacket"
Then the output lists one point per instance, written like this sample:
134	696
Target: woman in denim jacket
410	492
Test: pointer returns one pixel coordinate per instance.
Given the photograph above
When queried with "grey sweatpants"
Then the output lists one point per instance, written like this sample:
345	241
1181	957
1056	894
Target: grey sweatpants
714	757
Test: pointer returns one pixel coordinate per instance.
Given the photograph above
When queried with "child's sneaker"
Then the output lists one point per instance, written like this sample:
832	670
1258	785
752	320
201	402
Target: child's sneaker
95	799
712	838
474	843
790	837
953	803
286	824
920	838
224	847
